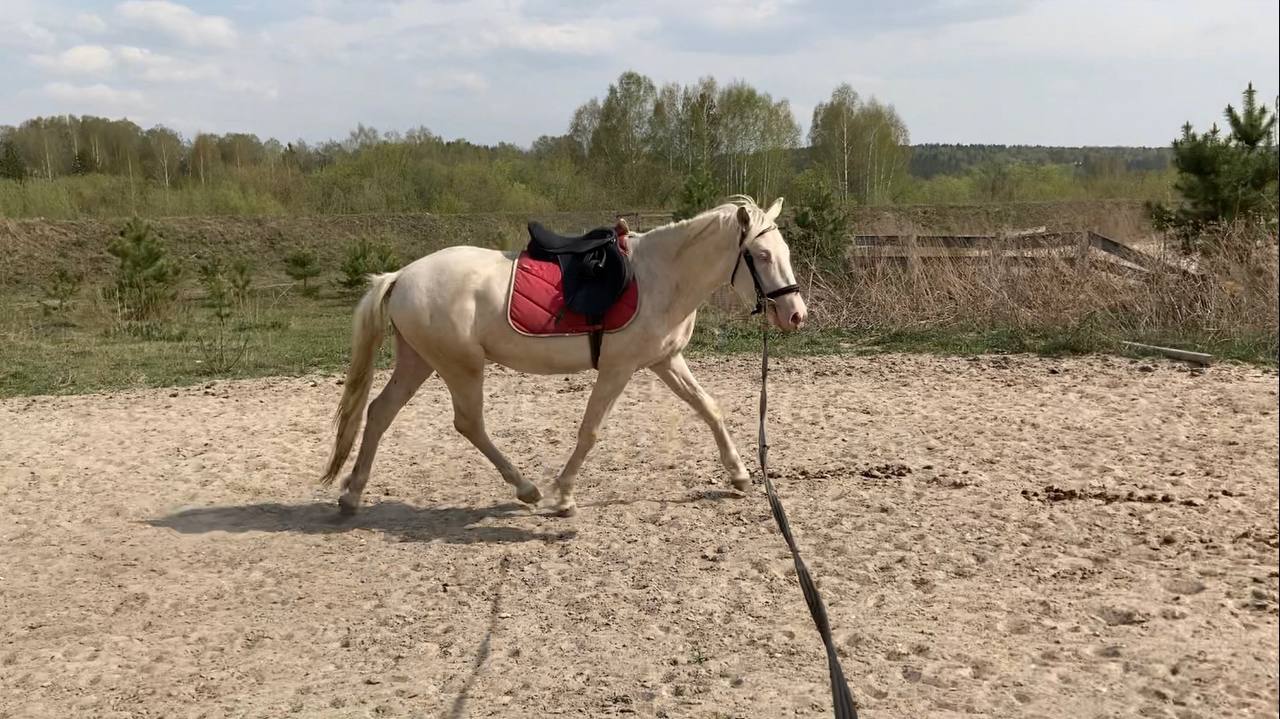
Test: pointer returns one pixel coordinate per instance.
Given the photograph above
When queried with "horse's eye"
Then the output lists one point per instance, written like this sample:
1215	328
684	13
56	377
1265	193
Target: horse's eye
764	256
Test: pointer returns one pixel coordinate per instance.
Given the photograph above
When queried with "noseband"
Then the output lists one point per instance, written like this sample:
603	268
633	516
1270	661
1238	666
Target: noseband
744	254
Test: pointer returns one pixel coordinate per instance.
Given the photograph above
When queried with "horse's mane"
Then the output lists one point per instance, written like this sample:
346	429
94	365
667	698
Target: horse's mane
721	213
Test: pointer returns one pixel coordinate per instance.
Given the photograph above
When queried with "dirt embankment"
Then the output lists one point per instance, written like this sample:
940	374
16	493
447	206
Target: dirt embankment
30	249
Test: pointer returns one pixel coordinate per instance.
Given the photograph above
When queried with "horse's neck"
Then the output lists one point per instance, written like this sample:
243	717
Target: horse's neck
689	262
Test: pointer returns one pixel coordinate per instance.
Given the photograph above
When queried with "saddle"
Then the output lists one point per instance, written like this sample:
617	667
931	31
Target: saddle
595	271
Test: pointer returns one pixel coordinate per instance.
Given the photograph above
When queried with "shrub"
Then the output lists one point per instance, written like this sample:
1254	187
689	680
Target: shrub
698	194
301	266
241	279
60	289
147	278
223	346
819	227
363	259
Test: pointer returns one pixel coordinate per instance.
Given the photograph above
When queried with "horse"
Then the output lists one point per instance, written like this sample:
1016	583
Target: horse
448	309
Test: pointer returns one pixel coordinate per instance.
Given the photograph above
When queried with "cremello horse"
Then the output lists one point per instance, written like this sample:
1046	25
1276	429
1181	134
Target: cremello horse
448	312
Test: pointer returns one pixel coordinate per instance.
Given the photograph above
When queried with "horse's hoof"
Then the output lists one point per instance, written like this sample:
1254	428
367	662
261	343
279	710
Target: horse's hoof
347	508
529	494
742	485
569	511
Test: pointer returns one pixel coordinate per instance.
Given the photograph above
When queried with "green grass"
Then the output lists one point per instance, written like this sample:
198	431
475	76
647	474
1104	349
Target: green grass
86	350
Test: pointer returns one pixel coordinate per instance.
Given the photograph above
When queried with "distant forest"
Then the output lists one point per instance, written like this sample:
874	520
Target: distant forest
640	145
936	159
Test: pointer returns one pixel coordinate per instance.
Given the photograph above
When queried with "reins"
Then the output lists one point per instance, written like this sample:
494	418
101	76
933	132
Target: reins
841	697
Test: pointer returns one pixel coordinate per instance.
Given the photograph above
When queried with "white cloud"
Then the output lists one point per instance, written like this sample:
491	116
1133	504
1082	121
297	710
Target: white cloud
180	22
96	94
428	28
144	65
735	14
576	38
453	82
89	23
28	35
150	66
78	60
265	90
1106	30
156	67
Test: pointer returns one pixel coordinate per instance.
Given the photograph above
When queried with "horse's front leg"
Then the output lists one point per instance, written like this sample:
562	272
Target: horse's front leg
674	372
608	387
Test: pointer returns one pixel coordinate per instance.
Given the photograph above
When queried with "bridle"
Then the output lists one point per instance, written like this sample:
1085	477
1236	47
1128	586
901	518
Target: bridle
744	255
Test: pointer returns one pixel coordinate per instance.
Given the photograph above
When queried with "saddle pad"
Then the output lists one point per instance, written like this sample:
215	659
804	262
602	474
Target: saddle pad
536	301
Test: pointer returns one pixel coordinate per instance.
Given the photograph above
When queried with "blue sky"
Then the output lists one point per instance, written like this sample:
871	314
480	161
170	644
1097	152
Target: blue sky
1060	72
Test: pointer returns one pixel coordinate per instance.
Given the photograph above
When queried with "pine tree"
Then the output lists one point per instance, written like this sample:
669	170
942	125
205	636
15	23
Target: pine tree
697	195
82	163
302	266
1222	179
11	165
819	229
147	278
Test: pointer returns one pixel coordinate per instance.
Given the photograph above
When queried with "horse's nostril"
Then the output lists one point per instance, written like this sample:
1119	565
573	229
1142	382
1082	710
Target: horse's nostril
797	319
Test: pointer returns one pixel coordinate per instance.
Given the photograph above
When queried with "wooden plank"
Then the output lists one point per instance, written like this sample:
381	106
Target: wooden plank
933	252
1137	274
1128	254
1199	358
1021	241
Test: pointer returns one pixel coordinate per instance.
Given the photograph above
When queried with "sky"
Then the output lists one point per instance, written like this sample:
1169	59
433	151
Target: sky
1050	72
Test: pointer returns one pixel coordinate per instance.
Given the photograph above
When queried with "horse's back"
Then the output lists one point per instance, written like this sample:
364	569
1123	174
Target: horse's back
459	268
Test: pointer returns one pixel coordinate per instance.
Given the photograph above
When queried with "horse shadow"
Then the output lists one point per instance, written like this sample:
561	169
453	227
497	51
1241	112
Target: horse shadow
451	525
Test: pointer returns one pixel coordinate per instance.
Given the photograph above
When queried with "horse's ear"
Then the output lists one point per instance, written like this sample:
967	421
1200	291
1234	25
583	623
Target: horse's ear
774	210
744	217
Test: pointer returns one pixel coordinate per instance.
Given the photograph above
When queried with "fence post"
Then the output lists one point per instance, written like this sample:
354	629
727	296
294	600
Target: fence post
913	257
1082	251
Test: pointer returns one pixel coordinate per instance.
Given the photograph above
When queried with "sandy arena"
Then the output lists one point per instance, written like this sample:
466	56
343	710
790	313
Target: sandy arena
1000	537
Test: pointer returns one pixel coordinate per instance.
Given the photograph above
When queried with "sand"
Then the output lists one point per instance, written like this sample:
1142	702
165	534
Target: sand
1002	536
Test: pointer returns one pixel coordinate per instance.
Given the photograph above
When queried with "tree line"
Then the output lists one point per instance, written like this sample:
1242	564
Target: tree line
950	159
641	145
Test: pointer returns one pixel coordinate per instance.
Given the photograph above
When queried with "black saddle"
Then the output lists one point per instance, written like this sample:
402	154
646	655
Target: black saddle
594	269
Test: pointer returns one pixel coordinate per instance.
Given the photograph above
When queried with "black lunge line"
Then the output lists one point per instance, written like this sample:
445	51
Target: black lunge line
841	698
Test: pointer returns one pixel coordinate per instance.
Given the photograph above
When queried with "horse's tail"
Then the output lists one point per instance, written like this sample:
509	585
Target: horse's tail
368	327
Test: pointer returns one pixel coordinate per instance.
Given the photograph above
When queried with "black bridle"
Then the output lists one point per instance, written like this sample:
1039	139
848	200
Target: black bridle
744	255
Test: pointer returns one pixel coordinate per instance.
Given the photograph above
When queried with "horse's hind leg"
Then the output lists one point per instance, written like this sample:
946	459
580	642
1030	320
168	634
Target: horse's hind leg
466	385
409	374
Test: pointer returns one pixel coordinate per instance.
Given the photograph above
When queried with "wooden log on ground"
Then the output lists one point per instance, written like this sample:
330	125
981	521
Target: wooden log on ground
1199	358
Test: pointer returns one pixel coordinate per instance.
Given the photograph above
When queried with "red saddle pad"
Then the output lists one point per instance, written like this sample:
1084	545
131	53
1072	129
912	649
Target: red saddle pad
537	299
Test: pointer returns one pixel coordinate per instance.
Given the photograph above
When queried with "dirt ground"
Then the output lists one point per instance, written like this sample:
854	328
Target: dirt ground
1003	537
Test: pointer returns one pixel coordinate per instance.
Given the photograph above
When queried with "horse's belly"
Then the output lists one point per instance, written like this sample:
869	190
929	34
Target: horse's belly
541	355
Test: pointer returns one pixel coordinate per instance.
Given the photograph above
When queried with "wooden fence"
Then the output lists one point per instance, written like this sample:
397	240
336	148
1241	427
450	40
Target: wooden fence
1033	246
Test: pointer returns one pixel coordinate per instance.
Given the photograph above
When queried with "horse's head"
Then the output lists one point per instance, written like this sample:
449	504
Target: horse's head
766	263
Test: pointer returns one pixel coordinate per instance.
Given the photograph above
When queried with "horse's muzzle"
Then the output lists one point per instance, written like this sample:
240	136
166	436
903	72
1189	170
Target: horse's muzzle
788	313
